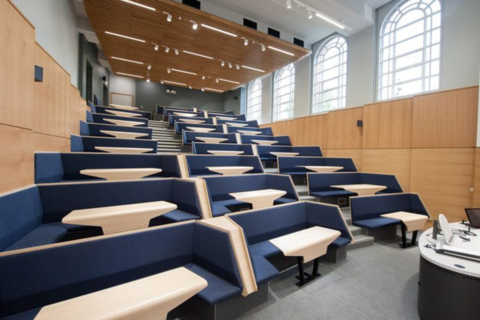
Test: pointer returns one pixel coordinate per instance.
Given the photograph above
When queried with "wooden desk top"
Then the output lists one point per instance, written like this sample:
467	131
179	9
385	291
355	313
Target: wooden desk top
120	218
225	152
226	118
124	123
119	106
124	134
192	121
310	243
284	154
123	114
229	171
121	174
147	298
322	169
361	189
250	132
265	142
200	129
239	125
181	114
259	198
211	140
412	221
124	150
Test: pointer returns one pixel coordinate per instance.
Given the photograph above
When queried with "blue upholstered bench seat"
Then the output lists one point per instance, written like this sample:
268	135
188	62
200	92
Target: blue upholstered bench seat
376	223
284	200
178	216
219	210
340	242
264	270
265	249
26	315
41	235
326	194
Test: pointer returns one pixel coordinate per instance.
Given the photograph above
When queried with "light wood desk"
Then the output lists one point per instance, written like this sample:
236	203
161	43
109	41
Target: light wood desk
150	298
123	114
124	134
284	154
230	171
124	150
120	218
211	140
238	125
250	133
200	129
259	198
322	169
181	114
265	142
225	152
124	123
121	174
307	245
362	189
410	222
119	106
192	121
226	118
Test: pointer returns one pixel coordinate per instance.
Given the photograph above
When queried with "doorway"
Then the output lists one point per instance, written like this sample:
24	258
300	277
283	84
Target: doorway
89	96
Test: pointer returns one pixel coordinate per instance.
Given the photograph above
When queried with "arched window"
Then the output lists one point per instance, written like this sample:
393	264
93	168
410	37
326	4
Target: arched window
410	49
284	93
254	102
330	76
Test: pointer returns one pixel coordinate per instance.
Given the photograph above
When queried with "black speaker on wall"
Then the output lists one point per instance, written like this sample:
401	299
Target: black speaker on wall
38	74
192	3
299	42
274	32
359	123
249	23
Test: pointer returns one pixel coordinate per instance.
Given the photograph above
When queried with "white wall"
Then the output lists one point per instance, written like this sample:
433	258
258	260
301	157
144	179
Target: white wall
120	84
56	30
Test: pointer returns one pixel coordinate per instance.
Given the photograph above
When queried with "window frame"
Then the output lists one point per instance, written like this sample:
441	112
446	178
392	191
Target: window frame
276	90
250	91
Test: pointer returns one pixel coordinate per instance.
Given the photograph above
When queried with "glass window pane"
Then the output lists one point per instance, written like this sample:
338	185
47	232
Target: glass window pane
409	60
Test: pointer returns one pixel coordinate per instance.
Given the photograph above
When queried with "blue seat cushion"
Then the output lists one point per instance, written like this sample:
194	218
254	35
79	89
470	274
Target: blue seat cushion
326	194
42	235
265	249
229	203
218	210
70	227
376	223
26	315
264	270
179	215
283	200
340	242
218	290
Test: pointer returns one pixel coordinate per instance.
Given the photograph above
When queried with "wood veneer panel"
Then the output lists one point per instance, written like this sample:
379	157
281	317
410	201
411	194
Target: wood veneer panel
388	125
44	142
476	180
446	119
17	37
389	161
443	178
355	154
342	131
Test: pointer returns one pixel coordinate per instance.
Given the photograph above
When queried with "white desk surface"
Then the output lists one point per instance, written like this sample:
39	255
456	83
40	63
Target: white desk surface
120	218
192	121
124	134
124	150
470	268
362	189
123	114
121	174
285	154
412	221
310	243
238	125
250	132
122	107
322	169
225	152
259	198
265	142
146	299
230	171
124	123
226	118
181	114
211	140
200	129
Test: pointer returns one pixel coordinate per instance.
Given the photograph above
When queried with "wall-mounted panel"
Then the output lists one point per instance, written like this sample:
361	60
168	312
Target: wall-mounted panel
389	161
17	38
342	129
446	119
388	125
443	178
355	154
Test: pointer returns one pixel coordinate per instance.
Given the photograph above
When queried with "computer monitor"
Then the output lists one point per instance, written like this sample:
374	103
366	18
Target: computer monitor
447	231
473	215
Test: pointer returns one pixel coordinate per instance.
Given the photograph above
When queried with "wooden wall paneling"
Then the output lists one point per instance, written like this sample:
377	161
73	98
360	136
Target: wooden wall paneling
342	131
17	37
443	178
355	154
445	119
43	142
388	125
389	161
16	166
476	180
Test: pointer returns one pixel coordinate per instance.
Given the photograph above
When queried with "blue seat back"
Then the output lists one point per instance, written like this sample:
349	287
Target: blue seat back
322	181
388	180
219	188
363	208
95	130
190	136
202	148
104	110
20	213
327	216
180	126
282	182
171	114
251	124
197	164
264	131
177	119
291	165
273	222
97	100
88	144
282	140
100	118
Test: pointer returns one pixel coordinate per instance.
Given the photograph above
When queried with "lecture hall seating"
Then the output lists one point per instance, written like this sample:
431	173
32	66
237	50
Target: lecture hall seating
97	130
197	164
203	148
91	144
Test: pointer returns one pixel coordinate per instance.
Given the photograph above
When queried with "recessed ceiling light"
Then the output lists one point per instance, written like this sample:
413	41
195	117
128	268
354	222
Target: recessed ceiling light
190	87
176	83
129	75
203	77
230	65
215	90
183	71
280	50
225	80
321	16
139	5
197	54
219	30
122	36
254	69
127	60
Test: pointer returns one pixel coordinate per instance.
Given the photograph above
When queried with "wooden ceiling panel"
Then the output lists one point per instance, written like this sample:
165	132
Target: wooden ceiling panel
152	27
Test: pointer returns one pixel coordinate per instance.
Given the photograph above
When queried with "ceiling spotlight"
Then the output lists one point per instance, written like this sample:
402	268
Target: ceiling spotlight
139	5
149	67
190	87
169	16
289	4
176	52
245	42
203	77
263	47
230	65
169	71
223	63
148	80
167	49
203	89
310	14
238	67
195	25
161	82
157	47
216	80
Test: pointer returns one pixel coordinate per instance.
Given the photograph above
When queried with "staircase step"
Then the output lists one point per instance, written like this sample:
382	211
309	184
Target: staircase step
361	241
302	189
307	198
355	230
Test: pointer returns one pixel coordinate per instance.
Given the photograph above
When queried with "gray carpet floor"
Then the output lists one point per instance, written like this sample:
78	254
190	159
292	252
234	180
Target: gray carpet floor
378	282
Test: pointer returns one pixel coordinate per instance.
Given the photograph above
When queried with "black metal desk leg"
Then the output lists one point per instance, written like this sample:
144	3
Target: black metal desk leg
414	238
404	236
315	268
301	273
